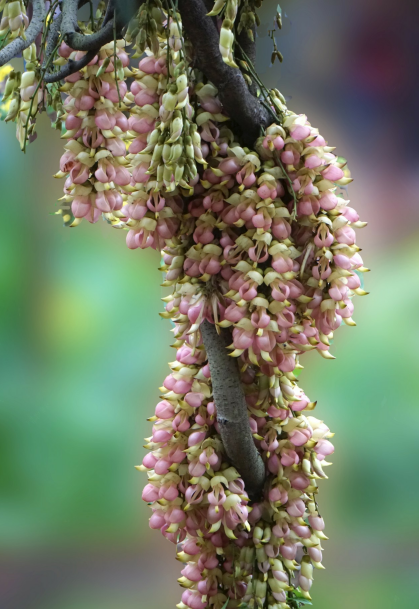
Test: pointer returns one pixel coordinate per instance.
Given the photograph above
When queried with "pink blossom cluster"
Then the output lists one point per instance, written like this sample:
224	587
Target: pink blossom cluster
163	148
94	162
232	550
259	241
268	248
151	218
277	244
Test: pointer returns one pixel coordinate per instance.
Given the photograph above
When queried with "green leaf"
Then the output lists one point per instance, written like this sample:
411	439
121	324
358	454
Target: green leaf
297	596
361	276
278	17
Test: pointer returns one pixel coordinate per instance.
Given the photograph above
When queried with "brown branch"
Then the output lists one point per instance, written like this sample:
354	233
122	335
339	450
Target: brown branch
67	23
124	11
109	13
231	408
52	39
19	44
233	91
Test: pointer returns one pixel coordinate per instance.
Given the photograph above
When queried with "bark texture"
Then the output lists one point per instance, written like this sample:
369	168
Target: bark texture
124	11
231	408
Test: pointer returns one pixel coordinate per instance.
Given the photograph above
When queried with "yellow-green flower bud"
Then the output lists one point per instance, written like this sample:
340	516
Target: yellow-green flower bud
28	78
167	150
13	110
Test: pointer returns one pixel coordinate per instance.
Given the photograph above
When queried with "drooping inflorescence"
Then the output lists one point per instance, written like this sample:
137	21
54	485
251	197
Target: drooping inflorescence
258	242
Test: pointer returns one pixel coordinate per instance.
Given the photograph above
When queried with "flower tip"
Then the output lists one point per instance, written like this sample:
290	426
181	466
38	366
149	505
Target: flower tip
326	354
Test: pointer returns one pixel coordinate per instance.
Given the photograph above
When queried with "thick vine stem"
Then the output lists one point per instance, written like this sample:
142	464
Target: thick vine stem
19	44
231	408
124	10
238	101
69	12
109	13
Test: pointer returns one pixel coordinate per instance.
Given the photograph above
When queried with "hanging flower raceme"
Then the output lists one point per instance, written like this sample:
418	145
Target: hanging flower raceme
268	279
94	164
23	96
269	285
260	241
264	244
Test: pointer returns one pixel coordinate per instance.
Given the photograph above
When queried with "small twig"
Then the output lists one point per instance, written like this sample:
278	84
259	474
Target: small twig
46	29
114	60
249	45
3	42
35	94
264	90
92	19
268	106
70	68
291	187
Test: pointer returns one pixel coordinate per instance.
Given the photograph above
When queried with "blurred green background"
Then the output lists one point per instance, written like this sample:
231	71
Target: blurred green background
83	349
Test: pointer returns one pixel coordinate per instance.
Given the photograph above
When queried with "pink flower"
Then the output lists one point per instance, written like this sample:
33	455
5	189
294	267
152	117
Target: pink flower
300	132
345	235
333	173
80	206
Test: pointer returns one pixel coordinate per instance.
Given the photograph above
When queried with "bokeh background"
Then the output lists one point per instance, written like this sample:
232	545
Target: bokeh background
83	349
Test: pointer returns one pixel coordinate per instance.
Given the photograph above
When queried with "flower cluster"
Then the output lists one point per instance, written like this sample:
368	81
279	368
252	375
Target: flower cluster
94	163
22	95
14	19
161	154
231	550
259	241
267	248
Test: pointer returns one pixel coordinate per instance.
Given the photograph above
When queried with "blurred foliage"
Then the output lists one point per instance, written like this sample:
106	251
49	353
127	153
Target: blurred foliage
80	334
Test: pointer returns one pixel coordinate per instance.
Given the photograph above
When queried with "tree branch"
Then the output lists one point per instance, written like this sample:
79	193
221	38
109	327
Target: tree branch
233	91
231	407
69	12
109	13
124	11
52	38
67	21
18	45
